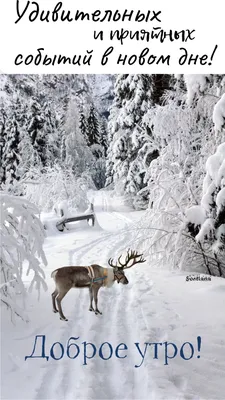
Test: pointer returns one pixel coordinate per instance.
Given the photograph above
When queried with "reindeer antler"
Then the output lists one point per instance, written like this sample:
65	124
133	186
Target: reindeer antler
131	255
110	262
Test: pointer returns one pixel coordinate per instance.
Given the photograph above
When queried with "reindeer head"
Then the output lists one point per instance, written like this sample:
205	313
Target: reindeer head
131	259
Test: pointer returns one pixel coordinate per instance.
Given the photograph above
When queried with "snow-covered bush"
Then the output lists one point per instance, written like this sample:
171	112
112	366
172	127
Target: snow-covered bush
56	185
22	237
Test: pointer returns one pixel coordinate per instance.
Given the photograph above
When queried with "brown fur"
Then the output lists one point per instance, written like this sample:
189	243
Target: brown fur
77	277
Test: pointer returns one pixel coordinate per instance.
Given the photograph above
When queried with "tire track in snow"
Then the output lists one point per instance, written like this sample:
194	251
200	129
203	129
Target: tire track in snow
123	302
99	369
103	203
156	334
76	255
69	386
144	332
135	326
111	368
121	323
69	378
99	383
125	331
83	385
55	381
91	377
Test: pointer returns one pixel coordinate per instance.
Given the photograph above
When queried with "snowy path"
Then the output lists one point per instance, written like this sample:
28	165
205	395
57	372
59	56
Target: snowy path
159	308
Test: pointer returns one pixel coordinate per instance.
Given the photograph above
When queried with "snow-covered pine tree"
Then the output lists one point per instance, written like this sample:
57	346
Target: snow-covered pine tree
119	134
99	152
78	155
93	127
126	136
103	134
26	149
152	89
15	163
11	155
98	173
38	138
84	126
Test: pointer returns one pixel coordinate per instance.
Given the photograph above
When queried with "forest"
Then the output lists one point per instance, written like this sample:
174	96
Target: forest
156	140
145	154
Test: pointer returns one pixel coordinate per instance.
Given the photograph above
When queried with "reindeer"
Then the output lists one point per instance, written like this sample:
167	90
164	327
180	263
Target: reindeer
92	277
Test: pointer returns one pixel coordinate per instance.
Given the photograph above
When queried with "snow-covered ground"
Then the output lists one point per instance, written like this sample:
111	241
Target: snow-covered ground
156	306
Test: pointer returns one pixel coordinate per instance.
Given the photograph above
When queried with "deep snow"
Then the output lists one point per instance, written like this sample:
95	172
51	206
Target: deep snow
156	306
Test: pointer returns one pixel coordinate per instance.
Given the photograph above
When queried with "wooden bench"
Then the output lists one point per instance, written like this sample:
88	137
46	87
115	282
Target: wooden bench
62	223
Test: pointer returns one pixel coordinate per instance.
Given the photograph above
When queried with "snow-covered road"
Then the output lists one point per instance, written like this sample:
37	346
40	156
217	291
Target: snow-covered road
156	306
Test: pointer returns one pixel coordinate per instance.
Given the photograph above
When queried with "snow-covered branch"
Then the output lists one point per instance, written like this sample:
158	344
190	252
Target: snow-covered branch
22	237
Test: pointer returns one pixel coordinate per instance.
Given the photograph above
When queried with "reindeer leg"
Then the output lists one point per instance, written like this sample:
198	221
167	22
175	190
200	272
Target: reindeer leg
54	294
91	299
58	300
96	300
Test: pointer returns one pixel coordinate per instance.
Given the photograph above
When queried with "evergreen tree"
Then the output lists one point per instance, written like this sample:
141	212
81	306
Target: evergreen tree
38	137
124	162
160	84
78	155
83	126
25	147
93	127
11	156
103	134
